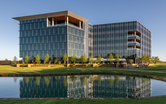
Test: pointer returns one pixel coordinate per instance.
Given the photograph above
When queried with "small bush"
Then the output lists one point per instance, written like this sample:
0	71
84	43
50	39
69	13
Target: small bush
55	61
59	62
50	62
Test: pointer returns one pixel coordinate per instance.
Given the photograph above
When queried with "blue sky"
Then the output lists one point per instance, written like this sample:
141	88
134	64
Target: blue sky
150	13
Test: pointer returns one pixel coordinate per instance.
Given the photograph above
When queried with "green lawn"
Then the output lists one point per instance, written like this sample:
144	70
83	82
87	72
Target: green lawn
156	67
7	69
157	100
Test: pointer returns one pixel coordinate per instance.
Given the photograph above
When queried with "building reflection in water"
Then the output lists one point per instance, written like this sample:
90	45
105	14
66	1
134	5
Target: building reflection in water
81	86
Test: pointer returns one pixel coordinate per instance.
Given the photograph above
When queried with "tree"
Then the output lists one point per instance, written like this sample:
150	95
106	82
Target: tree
117	58
33	59
46	59
110	57
91	59
38	59
50	62
99	58
65	58
59	62
155	59
143	59
138	60
148	59
55	61
130	61
84	58
73	59
26	59
15	60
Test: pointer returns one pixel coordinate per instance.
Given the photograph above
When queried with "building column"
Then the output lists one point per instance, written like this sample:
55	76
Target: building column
135	33
67	20
47	22
135	39
80	24
52	21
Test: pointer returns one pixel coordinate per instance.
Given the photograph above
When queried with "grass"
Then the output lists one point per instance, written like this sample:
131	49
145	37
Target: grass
157	67
7	69
157	100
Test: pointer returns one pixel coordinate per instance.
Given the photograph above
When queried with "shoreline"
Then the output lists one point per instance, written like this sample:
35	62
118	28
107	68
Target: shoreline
85	73
80	98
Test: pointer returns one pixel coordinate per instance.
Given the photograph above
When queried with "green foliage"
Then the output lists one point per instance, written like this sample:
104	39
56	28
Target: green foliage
15	60
59	62
143	59
38	59
33	59
84	58
117	58
46	59
130	61
95	61
138	60
155	60
91	59
55	61
26	59
99	58
65	58
110	57
50	61
146	59
73	59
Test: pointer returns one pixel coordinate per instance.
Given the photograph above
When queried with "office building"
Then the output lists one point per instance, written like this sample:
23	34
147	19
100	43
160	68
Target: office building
127	39
65	32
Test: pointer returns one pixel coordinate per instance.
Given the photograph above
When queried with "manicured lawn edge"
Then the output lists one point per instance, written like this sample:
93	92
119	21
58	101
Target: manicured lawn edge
152	100
85	71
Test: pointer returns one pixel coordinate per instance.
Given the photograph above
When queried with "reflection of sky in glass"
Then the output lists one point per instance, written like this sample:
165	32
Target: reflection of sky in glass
158	88
9	88
67	86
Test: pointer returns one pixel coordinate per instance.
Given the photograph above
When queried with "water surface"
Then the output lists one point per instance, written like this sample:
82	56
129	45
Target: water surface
80	86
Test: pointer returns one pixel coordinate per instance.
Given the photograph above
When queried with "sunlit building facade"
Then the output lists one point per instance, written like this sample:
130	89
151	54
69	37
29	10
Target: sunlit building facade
127	39
53	33
65	32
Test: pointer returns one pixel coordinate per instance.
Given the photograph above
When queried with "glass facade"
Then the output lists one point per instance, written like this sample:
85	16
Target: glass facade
63	32
127	39
75	41
145	40
38	38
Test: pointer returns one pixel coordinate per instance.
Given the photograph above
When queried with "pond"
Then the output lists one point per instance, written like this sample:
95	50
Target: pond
81	86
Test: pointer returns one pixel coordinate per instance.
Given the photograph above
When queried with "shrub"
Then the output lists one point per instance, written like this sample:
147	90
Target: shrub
59	62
